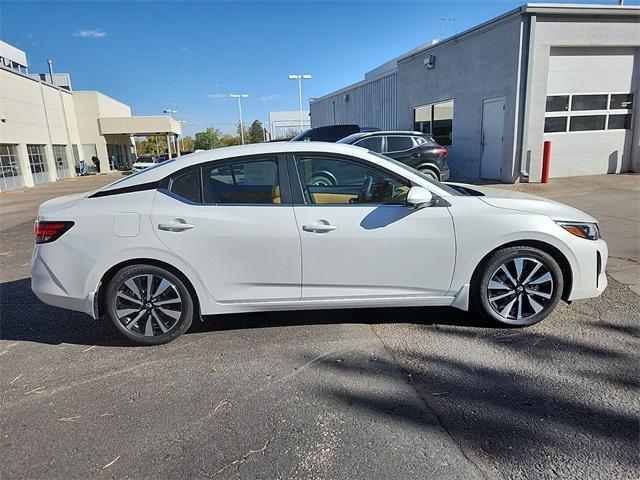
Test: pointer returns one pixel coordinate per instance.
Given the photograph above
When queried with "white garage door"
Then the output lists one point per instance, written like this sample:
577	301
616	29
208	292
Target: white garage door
591	97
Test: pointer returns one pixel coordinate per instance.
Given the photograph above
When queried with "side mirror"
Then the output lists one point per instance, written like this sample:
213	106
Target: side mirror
419	197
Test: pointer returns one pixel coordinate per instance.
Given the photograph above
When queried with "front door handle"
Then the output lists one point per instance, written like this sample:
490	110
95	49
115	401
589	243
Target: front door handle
177	225
320	226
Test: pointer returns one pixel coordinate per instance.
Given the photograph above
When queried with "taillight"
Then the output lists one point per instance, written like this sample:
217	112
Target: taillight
46	232
442	152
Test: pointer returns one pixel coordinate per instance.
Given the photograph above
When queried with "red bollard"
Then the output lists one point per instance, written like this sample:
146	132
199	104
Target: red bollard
546	159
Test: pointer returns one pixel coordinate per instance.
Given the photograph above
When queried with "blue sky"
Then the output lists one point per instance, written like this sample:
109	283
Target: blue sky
189	56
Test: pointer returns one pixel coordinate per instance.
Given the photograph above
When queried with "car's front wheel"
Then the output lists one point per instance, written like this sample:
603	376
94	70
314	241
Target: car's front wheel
517	286
148	304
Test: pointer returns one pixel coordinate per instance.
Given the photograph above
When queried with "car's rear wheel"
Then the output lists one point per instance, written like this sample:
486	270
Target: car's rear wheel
148	304
429	172
517	286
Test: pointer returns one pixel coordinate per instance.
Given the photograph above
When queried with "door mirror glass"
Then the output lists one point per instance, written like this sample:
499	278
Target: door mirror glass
419	197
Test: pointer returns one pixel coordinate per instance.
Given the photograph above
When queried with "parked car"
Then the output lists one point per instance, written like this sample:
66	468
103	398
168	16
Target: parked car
243	229
416	149
144	162
330	133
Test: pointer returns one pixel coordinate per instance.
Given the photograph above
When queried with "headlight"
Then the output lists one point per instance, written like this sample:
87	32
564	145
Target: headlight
590	231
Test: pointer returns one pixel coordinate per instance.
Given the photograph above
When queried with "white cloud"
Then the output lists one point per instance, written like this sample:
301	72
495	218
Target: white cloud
90	33
183	49
267	98
216	95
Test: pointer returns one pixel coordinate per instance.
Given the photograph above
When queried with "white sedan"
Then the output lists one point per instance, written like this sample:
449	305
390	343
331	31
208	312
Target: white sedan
244	229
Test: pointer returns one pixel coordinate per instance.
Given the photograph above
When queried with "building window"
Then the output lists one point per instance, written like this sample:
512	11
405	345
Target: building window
89	151
555	124
583	123
61	161
557	103
436	119
38	164
588	102
621	101
591	112
10	174
619	121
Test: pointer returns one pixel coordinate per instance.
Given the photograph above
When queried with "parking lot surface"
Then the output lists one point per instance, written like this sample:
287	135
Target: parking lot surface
375	394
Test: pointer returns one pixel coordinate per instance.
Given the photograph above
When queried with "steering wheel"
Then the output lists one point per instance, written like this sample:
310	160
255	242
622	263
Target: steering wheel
365	190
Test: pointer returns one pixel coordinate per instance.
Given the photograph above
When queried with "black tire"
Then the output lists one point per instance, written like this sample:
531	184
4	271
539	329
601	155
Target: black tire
522	300
174	312
430	173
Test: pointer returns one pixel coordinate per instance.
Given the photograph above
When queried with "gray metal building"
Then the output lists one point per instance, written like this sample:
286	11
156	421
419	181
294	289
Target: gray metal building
493	94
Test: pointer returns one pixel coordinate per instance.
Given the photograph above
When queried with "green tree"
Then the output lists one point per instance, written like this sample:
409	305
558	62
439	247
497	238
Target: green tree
187	144
228	140
208	139
148	146
255	134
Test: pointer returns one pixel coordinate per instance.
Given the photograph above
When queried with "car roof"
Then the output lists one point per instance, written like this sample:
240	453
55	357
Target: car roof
162	170
378	133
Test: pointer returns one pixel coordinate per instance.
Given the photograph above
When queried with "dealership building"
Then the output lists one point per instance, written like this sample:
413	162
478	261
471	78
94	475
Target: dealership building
568	74
47	129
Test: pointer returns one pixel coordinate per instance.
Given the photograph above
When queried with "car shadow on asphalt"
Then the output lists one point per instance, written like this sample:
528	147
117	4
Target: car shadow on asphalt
498	413
24	318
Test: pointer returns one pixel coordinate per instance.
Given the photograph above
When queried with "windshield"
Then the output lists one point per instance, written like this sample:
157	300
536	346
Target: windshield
432	181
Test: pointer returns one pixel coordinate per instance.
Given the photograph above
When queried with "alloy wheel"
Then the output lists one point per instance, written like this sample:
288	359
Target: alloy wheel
148	305
520	288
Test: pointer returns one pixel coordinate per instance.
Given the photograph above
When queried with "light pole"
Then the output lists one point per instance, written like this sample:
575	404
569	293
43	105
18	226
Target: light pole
300	77
168	111
182	136
239	96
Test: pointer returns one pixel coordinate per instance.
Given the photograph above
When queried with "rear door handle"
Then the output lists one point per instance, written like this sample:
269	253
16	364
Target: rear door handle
178	225
320	226
415	155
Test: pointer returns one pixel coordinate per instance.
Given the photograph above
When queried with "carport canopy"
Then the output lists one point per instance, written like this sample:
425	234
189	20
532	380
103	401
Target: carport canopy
139	126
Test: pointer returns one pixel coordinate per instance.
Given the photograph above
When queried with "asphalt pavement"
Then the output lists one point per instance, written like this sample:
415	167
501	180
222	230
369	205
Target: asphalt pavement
345	394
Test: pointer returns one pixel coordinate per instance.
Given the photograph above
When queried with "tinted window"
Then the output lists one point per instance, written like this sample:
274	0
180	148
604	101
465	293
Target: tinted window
555	124
187	185
622	121
399	143
251	181
587	122
557	103
371	143
338	181
435	119
589	102
425	141
621	101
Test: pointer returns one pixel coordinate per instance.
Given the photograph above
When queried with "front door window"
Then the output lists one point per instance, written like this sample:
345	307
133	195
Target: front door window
328	180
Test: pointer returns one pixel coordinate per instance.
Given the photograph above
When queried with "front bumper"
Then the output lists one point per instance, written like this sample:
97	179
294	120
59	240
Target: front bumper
589	275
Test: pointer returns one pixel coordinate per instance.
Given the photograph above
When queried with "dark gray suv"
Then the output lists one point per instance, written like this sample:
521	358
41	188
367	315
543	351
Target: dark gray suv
416	149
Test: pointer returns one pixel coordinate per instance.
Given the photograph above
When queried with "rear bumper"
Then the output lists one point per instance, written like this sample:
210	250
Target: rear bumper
51	290
444	174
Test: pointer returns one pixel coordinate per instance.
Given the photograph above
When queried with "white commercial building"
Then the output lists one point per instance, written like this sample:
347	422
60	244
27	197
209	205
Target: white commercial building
493	94
46	130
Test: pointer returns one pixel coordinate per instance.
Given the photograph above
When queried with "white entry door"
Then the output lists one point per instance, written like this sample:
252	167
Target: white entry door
492	138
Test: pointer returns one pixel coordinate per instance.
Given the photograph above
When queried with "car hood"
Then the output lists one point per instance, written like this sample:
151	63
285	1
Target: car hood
525	202
59	203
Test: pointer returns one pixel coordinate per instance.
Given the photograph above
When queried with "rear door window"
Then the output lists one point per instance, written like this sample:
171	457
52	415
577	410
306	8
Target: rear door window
398	143
252	181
